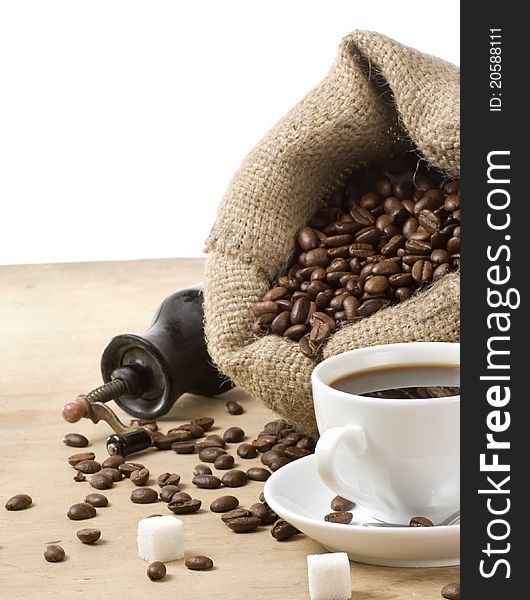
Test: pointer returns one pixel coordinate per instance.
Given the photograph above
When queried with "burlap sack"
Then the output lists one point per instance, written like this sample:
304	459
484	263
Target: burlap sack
379	97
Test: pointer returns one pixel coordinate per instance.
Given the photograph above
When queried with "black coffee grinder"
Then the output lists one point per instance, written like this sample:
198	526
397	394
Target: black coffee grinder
145	374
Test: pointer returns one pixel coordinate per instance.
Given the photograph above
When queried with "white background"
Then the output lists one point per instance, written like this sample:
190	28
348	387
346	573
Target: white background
122	121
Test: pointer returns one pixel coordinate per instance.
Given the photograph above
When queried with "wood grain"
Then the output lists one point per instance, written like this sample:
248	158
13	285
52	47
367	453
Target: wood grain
54	323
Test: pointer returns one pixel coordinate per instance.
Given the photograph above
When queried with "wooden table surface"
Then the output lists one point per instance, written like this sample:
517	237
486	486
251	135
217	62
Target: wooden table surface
54	323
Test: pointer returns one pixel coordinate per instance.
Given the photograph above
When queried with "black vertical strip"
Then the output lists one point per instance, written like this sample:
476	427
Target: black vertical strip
494	325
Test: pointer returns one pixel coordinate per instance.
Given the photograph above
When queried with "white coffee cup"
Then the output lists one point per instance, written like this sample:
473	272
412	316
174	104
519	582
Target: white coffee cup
397	458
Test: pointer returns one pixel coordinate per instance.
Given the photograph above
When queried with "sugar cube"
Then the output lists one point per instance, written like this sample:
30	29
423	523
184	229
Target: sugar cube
161	538
329	576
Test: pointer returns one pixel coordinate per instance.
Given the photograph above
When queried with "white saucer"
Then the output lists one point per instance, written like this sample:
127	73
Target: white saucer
296	493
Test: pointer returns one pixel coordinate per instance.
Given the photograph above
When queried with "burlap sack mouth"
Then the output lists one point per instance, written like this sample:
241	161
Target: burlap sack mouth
379	98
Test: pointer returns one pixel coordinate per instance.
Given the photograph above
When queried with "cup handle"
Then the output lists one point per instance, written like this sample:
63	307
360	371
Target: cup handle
355	439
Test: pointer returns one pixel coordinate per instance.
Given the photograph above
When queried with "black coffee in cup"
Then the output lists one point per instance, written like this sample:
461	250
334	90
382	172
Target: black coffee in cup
402	381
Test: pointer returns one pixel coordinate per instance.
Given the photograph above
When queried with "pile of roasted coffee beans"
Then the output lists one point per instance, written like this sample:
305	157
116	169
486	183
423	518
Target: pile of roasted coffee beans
372	244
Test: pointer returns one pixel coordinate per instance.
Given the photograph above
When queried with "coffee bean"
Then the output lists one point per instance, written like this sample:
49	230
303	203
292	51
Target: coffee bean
281	323
224	461
167	479
371	306
144	495
258	474
199	563
243	524
295	453
167	492
81	511
420	522
96	500
127	468
343	517
195	430
202	470
100	481
376	285
234	478
145	423
165	442
210	454
224	504
237	512
422	271
79	477
307	239
18	502
283	530
76	440
278	463
295	332
440	271
403	293
247	451
265	307
277	293
88	467
156	571
401	279
183	447
234	408
266	515
82	456
206	423
340	504
54	553
113	462
233	435
451	591
88	535
206	481
114	474
210	443
184	506
264	443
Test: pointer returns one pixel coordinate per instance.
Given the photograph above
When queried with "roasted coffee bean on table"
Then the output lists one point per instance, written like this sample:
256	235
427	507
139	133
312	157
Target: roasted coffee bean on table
88	467
183	447
168	491
339	504
156	571
88	535
199	563
233	435
113	462
97	500
209	482
140	477
76	440
101	481
113	473
54	553
196	430
202	470
266	515
282	530
144	495
451	591
127	468
183	506
18	502
247	451
234	478
258	474
342	516
373	244
234	408
210	454
243	524
79	476
236	513
81	456
224	461
224	504
168	479
81	511
206	423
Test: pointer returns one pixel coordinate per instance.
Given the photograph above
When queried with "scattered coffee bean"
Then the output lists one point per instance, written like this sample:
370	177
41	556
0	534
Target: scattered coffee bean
88	535
196	430
208	482
294	453
184	506
101	481
18	502
420	522
127	468
283	530
140	477
258	474
114	474
237	512
144	495
178	435
233	435
210	454
183	447
223	462
264	443
77	458
166	442
342	516
76	440
54	553
156	571
234	408
145	423
167	479
210	443
181	496
261	497
224	504
247	451
88	467
202	470
205	423
167	492
81	511
199	563
265	514
340	504
234	478
97	500
451	591
79	476
113	462
243	524
278	463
